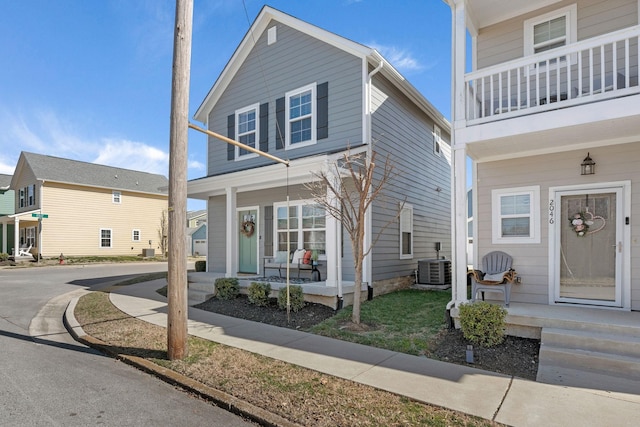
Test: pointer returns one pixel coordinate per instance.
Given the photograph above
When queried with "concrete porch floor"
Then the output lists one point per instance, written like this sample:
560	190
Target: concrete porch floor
527	320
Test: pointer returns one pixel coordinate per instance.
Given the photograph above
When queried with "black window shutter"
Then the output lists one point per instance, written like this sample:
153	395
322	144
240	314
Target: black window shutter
231	133
280	130
322	104
268	231
264	127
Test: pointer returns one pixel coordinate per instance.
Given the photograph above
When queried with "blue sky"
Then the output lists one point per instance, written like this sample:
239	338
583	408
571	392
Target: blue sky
91	80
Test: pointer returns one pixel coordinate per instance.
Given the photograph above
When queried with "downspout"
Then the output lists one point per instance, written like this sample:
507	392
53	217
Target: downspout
368	270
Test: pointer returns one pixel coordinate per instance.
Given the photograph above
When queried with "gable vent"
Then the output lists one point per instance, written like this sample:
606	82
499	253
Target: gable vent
272	35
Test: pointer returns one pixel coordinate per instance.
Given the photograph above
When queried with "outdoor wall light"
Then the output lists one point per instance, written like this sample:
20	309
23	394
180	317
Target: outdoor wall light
588	166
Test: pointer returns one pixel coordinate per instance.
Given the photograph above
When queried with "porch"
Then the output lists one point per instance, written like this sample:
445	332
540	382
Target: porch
580	346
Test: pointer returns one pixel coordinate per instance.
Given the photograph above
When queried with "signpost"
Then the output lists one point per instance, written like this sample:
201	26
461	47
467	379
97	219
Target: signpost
39	216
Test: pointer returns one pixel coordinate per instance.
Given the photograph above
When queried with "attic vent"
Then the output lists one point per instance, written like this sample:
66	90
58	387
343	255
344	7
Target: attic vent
272	36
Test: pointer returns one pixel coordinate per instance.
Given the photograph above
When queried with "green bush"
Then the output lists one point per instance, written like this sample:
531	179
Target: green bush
483	323
201	265
296	298
227	287
259	293
4	256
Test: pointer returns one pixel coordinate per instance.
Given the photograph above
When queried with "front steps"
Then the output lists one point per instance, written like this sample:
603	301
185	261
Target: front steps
201	288
591	357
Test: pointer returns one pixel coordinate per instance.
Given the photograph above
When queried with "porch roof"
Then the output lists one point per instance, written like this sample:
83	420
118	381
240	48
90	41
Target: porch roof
298	172
9	219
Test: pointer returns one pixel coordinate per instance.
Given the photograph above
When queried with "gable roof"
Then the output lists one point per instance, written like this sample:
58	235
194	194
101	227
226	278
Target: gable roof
196	214
372	56
5	181
56	169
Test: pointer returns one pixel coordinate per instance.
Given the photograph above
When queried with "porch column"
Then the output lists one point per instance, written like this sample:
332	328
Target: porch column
459	164
232	233
16	237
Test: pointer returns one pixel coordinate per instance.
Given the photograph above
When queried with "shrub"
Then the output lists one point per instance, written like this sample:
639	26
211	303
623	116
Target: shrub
259	293
4	256
227	287
483	323
296	298
201	265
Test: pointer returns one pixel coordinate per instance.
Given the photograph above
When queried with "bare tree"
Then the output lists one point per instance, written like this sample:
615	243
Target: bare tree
163	233
346	190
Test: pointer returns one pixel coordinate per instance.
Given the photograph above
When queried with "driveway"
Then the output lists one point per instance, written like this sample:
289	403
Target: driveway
50	379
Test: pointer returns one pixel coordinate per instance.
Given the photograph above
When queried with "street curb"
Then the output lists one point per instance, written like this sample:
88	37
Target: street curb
219	398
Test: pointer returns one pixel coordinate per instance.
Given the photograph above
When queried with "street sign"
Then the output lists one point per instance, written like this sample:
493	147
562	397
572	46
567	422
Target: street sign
37	215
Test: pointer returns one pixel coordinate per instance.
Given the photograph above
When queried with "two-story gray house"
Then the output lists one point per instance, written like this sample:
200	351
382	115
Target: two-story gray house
307	95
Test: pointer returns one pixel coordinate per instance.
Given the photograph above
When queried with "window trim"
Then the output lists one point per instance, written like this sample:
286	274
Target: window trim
437	141
110	238
406	208
299	204
133	235
534	215
312	87
116	197
571	35
256	108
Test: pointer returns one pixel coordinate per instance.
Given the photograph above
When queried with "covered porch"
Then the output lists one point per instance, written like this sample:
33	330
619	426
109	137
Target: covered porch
28	222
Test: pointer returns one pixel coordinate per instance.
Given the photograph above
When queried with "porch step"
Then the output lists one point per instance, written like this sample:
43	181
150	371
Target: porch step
197	296
201	288
589	358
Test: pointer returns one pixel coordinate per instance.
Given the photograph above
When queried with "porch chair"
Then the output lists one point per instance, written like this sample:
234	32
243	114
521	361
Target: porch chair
25	252
496	276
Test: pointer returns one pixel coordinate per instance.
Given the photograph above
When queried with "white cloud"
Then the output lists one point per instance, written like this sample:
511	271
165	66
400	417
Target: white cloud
133	155
401	59
194	164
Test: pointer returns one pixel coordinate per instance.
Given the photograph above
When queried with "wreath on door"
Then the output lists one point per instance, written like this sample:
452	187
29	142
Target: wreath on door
248	228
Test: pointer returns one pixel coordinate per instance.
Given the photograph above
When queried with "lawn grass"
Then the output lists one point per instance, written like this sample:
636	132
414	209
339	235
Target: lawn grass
405	321
301	395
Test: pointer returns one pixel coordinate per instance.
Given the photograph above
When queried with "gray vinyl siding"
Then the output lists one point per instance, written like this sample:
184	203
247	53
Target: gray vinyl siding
405	133
614	163
504	41
216	234
294	61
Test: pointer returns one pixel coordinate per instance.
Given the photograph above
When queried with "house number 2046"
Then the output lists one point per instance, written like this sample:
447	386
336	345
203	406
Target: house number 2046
552	208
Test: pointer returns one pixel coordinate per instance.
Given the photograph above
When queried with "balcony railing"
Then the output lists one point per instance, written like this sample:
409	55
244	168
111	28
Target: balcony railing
592	70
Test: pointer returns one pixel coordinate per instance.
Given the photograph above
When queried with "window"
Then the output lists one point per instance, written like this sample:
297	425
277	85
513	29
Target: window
247	125
117	197
516	215
307	227
31	236
105	238
300	115
551	30
406	232
135	235
31	195
21	203
437	139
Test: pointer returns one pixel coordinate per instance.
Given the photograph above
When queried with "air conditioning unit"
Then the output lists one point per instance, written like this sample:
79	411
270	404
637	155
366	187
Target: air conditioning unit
434	272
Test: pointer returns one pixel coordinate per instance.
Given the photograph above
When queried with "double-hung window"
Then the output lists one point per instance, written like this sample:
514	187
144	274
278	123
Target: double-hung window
406	232
116	197
105	238
135	235
437	140
247	128
301	116
550	31
306	227
516	215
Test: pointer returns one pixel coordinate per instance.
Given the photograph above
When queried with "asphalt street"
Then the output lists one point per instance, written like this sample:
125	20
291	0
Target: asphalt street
48	379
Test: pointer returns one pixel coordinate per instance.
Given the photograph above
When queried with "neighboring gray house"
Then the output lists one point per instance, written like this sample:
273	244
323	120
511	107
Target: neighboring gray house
7	207
196	218
197	240
301	93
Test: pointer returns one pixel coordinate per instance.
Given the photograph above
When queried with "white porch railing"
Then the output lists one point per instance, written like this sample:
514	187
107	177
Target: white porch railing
598	68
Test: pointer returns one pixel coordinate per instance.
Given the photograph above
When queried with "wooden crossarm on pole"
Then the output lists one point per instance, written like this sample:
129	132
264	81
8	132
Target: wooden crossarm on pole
239	144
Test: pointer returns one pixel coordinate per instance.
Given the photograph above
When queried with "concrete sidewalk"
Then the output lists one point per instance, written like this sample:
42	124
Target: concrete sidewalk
489	395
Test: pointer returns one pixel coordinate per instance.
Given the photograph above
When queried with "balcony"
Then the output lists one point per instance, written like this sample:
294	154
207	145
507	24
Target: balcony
594	70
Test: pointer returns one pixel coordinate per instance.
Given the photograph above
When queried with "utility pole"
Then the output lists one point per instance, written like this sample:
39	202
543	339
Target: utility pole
177	276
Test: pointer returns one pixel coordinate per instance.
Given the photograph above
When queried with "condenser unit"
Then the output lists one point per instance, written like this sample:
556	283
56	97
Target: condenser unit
434	272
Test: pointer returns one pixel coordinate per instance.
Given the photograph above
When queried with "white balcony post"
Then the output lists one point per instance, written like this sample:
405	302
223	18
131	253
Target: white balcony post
232	233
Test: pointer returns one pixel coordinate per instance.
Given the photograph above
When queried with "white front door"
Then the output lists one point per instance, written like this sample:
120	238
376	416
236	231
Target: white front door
588	245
